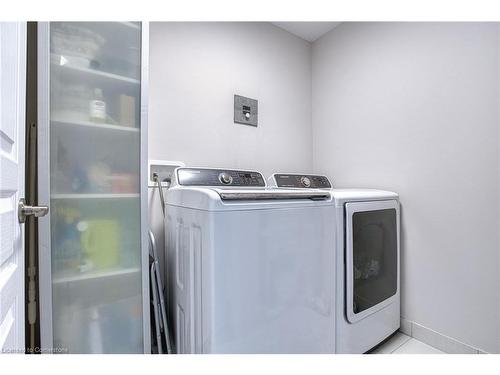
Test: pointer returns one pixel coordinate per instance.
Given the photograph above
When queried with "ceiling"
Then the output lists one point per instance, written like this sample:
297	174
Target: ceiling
309	31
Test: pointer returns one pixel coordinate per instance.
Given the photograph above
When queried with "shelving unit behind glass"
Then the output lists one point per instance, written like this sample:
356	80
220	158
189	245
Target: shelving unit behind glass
95	165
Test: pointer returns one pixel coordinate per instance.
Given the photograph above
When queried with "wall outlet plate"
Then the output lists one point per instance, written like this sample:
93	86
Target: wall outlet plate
246	110
164	169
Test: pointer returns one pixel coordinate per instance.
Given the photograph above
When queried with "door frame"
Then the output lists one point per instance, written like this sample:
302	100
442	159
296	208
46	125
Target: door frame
144	179
44	246
350	209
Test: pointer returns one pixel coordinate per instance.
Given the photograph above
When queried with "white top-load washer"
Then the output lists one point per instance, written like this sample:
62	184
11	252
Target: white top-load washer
249	269
367	246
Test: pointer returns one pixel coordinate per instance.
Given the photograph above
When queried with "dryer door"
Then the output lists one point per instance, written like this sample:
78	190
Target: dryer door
372	257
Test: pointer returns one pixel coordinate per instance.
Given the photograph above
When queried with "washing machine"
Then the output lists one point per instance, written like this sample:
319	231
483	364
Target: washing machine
249	269
367	253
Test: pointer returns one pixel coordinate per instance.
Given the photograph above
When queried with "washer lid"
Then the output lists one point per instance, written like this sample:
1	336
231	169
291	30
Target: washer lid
230	199
270	194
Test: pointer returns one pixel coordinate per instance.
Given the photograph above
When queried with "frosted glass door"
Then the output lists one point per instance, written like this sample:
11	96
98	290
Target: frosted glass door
95	234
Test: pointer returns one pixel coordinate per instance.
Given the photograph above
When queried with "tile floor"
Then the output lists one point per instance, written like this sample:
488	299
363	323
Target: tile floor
400	343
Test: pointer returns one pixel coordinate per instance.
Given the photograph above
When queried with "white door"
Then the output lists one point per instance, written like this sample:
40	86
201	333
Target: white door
12	127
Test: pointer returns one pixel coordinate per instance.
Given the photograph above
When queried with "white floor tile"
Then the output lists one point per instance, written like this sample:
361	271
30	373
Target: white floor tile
441	342
413	346
394	342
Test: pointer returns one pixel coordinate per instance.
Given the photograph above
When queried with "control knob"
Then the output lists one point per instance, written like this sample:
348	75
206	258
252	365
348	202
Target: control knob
225	178
305	181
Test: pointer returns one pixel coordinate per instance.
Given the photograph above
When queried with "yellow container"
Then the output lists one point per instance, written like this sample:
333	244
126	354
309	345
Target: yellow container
99	243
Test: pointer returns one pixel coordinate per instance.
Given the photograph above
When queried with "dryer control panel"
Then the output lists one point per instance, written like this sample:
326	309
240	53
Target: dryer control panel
219	177
301	181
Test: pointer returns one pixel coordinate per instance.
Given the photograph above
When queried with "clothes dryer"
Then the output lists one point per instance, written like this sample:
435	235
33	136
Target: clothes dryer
367	253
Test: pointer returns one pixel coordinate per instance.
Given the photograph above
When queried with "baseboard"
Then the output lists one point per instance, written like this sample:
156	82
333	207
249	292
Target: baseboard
436	339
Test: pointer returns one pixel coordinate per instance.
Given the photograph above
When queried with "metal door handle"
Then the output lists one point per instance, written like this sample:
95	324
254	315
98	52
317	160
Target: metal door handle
23	210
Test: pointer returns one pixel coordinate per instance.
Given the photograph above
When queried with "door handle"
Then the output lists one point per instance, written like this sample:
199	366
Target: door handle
24	210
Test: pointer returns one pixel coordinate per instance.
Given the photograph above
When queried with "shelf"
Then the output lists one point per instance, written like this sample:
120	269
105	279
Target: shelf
95	275
95	196
93	73
94	125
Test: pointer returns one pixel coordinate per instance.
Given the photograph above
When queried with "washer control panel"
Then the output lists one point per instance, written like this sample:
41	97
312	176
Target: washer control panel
301	181
219	177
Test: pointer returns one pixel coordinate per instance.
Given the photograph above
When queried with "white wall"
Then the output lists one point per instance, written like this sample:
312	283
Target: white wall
414	108
407	107
196	68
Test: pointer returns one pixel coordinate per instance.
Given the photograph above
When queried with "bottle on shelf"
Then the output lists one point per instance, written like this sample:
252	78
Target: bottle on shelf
98	107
